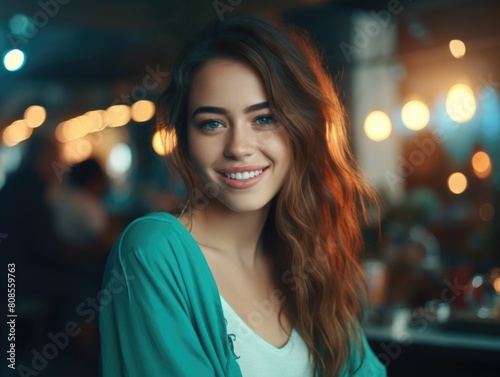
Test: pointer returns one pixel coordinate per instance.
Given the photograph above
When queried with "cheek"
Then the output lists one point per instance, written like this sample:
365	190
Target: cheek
279	148
202	154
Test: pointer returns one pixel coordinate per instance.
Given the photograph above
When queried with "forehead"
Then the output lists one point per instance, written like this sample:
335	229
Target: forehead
226	83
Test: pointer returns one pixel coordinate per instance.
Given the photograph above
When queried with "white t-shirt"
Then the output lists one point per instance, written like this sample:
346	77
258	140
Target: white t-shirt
258	358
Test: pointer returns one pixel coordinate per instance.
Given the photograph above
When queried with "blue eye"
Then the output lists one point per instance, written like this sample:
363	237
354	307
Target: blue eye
210	125
268	119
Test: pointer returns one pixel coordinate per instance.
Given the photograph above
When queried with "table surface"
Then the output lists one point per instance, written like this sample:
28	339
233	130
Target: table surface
432	336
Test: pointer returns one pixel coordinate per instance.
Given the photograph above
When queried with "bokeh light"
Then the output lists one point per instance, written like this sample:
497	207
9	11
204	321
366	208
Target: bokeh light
35	116
143	110
119	160
95	120
496	285
79	126
21	25
164	142
481	164
477	281
460	103
457	48
457	183
378	126
117	115
14	60
60	132
486	211
15	133
77	150
415	115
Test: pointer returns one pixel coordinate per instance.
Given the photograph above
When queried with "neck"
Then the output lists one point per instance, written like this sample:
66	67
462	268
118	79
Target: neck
235	235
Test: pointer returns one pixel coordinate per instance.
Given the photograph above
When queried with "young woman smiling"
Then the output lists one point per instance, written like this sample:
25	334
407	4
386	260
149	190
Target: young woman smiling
259	274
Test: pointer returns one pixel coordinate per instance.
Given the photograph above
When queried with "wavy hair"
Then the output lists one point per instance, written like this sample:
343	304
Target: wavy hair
313	229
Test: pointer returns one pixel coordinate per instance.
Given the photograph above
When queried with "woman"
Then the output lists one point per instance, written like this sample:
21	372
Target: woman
258	276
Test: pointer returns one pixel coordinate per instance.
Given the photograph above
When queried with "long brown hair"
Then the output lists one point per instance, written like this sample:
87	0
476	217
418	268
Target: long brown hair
313	227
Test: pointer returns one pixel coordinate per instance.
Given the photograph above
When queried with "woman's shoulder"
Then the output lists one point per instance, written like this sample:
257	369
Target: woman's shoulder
159	246
152	232
153	220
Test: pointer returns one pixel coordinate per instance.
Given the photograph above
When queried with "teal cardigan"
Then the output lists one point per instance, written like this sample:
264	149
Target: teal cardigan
160	311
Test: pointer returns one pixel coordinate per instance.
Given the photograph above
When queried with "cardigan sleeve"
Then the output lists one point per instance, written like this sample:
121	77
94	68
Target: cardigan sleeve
366	363
371	365
146	321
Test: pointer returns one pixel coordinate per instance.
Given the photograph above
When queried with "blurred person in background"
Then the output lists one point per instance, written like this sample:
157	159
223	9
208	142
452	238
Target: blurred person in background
32	242
57	235
82	222
79	214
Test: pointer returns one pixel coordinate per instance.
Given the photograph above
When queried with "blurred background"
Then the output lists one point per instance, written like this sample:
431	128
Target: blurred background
80	158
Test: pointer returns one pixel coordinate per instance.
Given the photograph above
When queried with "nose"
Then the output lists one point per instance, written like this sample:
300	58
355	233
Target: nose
240	142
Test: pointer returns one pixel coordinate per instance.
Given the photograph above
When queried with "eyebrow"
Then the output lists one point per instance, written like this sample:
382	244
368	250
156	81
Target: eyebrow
223	111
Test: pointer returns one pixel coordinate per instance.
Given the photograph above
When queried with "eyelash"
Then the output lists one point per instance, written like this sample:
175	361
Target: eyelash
272	119
203	126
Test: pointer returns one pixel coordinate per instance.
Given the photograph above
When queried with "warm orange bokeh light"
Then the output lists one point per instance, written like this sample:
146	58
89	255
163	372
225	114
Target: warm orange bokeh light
95	120
117	116
35	116
457	183
77	150
486	212
15	133
378	126
496	285
143	111
415	115
457	48
461	103
164	142
481	164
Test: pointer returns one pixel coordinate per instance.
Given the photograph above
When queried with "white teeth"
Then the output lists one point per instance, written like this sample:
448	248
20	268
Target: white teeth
244	175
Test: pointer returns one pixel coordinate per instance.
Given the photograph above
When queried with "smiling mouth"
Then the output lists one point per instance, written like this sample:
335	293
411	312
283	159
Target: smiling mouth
241	176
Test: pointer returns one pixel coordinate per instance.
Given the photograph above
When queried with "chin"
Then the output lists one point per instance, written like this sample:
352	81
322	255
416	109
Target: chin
243	205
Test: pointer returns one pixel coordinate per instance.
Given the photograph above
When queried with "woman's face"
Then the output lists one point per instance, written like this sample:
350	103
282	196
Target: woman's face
238	148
